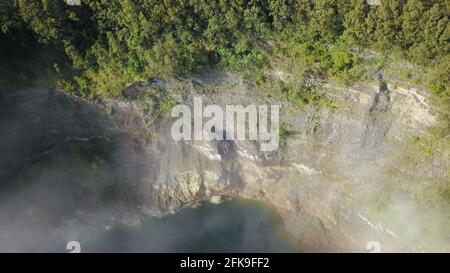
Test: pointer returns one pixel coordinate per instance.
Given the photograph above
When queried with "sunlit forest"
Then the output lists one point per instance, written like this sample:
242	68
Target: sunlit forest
107	44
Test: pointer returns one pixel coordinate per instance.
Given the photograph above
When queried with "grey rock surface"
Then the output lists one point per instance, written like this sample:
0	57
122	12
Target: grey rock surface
326	180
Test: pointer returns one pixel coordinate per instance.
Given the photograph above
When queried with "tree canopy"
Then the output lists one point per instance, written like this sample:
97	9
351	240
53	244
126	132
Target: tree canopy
114	42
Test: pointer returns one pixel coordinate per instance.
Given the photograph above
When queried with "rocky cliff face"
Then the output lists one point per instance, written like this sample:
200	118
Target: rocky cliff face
342	177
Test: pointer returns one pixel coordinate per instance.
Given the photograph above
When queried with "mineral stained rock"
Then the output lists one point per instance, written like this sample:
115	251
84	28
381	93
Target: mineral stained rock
343	176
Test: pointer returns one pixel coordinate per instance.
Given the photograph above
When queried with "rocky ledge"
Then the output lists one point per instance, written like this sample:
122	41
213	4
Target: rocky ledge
344	175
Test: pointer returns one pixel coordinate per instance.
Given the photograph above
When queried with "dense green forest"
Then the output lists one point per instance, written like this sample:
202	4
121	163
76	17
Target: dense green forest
102	45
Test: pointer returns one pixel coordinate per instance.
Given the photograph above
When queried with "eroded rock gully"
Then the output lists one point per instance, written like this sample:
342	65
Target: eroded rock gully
324	180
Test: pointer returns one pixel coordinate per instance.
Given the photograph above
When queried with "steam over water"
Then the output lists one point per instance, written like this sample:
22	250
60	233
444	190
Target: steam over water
233	226
68	174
